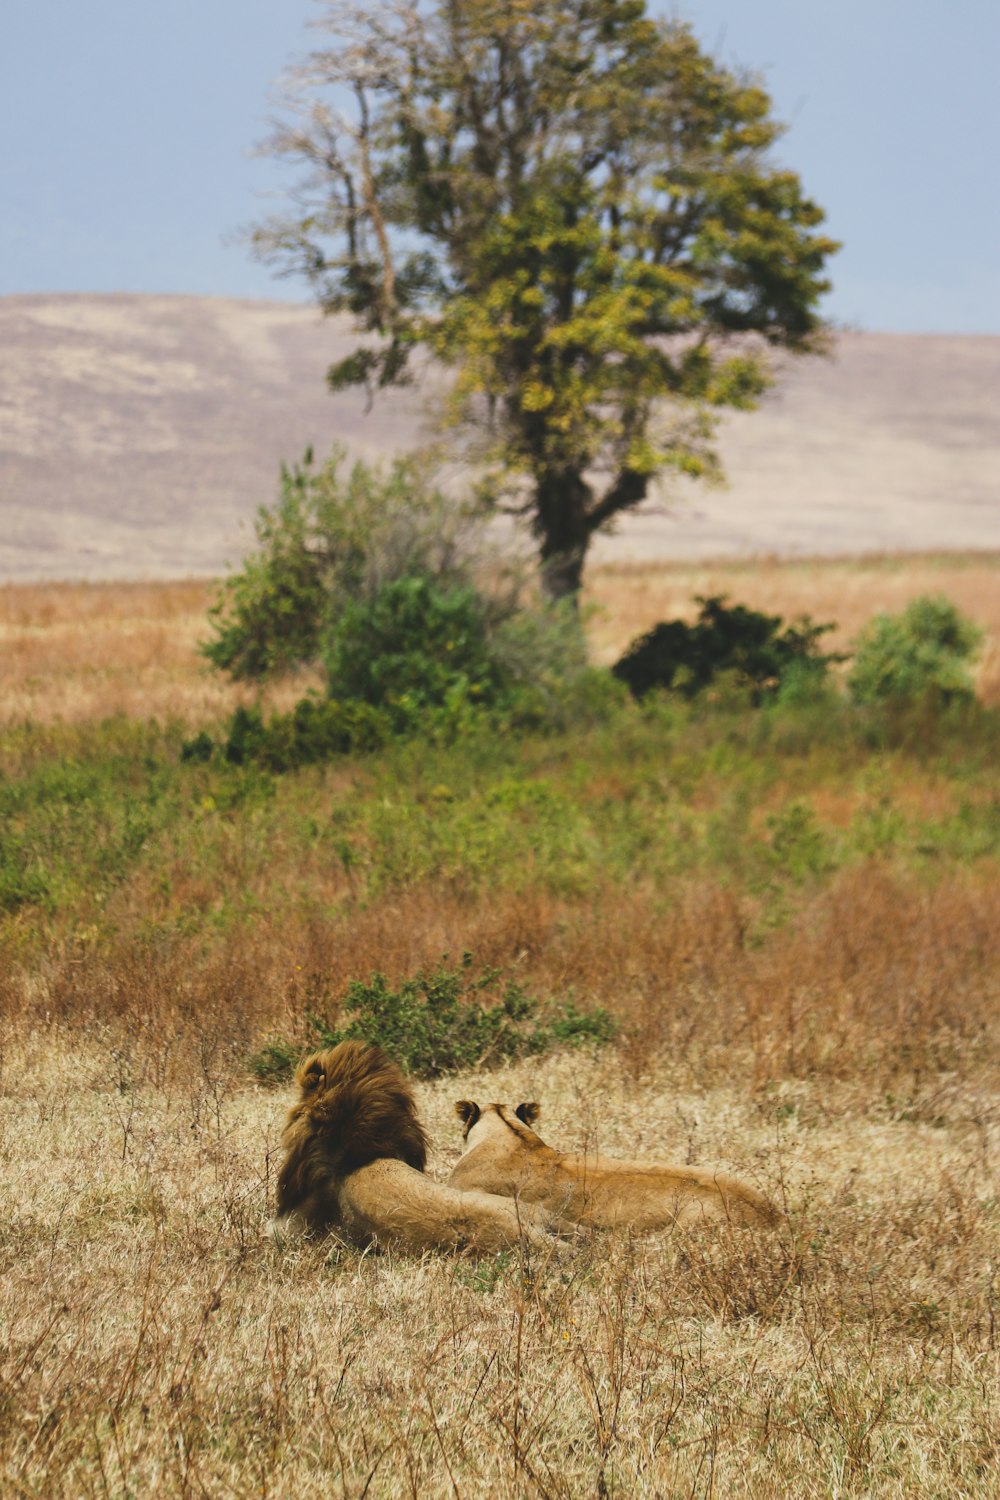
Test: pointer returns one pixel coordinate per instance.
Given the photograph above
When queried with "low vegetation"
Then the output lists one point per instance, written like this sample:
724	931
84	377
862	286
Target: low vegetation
441	1021
757	651
787	914
929	648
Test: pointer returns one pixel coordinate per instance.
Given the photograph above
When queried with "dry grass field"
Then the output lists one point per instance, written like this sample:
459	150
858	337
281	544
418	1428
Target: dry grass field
156	1345
79	651
821	1022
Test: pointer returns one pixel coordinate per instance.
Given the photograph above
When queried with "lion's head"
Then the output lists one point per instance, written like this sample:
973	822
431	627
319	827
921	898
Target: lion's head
355	1106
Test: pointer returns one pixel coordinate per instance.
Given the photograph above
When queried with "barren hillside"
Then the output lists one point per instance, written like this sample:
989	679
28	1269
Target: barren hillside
139	434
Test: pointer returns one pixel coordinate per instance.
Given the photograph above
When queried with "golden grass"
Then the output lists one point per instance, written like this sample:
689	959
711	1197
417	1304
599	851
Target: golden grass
78	651
83	651
155	1344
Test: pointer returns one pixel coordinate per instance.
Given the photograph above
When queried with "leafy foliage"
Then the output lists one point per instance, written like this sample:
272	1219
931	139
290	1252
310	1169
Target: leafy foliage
103	831
725	639
926	648
376	575
444	1020
573	205
335	537
315	730
414	647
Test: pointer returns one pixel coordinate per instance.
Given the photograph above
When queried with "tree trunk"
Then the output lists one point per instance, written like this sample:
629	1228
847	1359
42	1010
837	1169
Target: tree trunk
562	574
562	524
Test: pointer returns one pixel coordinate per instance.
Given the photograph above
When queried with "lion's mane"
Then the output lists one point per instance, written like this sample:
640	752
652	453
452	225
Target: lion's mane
354	1107
355	1154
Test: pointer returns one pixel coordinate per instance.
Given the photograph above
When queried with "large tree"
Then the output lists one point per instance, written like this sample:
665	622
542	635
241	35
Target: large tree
573	206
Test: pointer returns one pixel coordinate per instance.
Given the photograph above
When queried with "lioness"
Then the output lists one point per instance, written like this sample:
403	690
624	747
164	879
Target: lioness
503	1155
355	1153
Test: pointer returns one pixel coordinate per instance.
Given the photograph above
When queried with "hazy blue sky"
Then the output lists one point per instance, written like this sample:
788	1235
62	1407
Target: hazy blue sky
127	126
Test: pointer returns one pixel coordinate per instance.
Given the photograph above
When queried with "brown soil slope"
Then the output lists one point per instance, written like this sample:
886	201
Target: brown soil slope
139	434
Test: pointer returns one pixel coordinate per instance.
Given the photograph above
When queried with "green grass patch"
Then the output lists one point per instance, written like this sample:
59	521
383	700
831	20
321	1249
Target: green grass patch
111	828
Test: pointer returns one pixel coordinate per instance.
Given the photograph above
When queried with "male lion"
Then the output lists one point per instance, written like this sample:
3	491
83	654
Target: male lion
355	1157
503	1155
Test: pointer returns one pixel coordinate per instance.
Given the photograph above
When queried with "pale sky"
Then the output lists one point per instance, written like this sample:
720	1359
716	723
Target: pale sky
127	129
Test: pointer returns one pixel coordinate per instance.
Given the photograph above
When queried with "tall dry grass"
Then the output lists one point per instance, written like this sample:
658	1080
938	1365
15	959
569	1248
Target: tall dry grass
877	977
155	1344
78	651
84	651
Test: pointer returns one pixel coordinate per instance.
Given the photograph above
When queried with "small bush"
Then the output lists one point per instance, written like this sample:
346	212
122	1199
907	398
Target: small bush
335	537
927	649
443	1021
749	647
315	730
414	646
200	748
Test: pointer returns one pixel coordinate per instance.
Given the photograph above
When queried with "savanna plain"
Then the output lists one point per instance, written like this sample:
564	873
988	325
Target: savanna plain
793	915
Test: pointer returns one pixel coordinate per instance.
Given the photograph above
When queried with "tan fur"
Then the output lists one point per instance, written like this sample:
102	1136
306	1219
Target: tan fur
355	1153
503	1155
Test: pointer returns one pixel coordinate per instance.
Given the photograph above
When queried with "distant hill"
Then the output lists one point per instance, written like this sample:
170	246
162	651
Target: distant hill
138	435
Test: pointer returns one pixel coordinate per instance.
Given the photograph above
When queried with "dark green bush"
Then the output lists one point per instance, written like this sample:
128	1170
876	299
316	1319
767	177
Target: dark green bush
745	644
316	729
442	1021
414	646
927	649
201	748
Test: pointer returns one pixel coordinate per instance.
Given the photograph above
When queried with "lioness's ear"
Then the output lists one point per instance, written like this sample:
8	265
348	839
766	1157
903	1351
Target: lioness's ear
528	1112
467	1112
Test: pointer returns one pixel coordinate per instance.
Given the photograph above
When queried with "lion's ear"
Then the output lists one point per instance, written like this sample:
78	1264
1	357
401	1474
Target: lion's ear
467	1112
311	1076
528	1112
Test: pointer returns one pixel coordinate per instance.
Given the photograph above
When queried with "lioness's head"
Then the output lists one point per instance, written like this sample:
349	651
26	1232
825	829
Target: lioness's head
497	1120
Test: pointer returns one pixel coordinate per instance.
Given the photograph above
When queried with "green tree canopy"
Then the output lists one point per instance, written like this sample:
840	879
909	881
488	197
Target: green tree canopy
573	206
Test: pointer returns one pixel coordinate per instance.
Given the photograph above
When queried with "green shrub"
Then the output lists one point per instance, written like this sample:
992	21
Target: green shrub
315	730
419	657
442	1021
927	649
749	647
335	537
200	748
414	646
268	617
375	575
436	657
